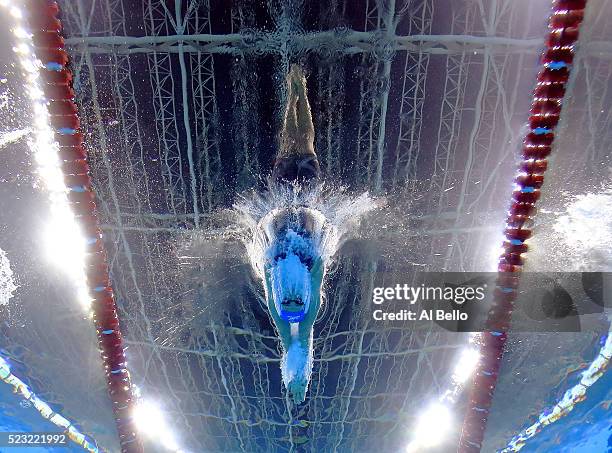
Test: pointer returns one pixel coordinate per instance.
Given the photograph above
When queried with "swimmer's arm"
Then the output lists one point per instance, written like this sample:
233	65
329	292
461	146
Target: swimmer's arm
316	279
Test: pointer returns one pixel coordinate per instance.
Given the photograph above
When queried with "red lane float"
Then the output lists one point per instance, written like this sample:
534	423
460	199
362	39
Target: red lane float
558	56
56	84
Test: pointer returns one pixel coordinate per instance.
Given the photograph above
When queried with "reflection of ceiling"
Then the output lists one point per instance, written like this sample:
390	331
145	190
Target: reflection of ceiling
426	107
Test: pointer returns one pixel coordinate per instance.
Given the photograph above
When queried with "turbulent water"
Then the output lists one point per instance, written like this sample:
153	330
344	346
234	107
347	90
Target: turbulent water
586	228
7	279
336	213
6	138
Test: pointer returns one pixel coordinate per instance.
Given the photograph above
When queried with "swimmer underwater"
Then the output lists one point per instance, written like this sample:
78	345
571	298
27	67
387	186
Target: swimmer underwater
293	267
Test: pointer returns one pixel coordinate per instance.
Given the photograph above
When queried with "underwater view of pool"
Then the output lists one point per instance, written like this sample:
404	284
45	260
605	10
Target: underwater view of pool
304	226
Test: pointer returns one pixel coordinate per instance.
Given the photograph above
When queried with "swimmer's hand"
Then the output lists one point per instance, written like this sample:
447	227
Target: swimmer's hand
296	368
297	389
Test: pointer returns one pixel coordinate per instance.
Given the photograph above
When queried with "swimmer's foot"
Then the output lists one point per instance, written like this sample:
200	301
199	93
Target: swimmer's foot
296	82
296	368
297	390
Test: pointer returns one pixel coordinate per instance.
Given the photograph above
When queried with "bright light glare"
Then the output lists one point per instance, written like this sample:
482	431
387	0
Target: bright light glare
492	259
22	48
432	427
150	420
20	33
64	241
65	246
465	366
16	12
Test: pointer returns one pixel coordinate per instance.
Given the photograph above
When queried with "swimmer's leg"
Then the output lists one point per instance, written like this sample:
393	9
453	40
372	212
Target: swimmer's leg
296	158
305	126
290	121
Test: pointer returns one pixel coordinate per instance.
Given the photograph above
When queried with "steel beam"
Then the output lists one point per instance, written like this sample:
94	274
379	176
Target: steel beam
348	42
